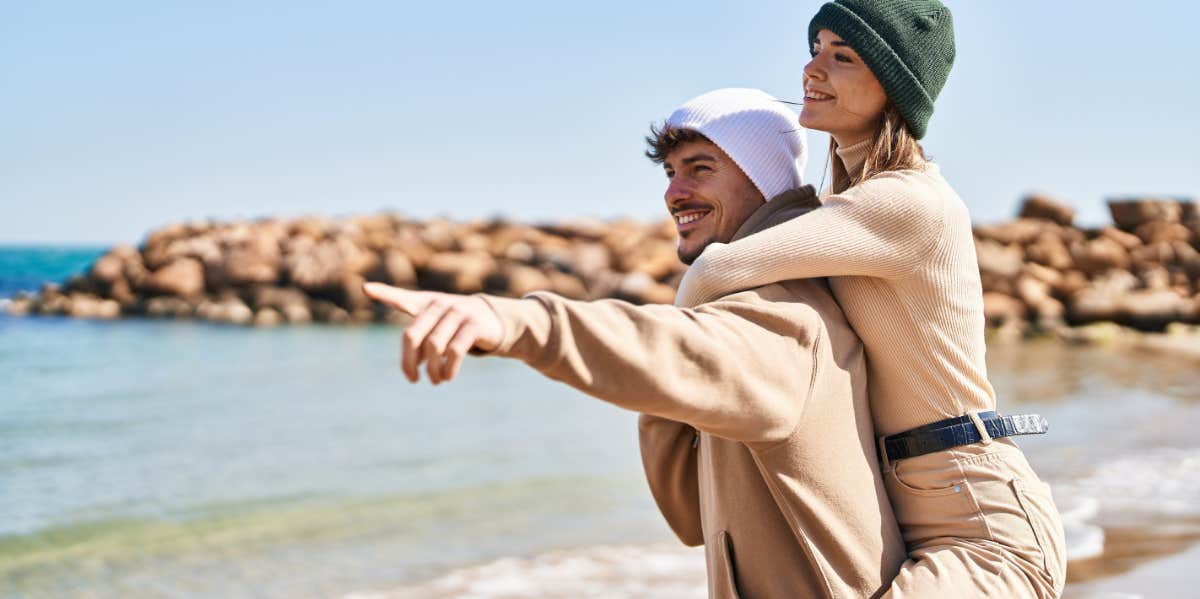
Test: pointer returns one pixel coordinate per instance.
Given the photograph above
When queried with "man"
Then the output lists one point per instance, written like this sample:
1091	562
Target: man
756	436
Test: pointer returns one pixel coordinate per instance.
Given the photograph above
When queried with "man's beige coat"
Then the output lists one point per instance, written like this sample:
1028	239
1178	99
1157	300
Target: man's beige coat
775	470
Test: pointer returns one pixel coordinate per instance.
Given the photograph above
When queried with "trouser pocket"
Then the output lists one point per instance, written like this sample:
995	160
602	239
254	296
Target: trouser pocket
931	505
1046	525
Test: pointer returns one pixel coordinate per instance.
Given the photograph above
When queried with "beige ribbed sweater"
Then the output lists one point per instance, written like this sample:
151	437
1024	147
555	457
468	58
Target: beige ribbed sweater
900	249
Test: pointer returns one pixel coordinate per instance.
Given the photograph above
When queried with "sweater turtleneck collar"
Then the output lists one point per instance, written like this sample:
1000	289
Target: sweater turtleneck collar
854	156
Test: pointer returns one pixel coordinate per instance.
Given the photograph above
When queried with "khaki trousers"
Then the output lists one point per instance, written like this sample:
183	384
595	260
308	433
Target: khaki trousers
978	523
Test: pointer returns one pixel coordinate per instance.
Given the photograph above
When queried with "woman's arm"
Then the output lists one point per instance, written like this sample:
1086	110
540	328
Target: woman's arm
884	227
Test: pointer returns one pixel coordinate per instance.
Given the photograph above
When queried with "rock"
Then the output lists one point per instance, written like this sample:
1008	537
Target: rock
1128	241
267	317
1129	213
568	286
1020	231
184	277
998	260
1152	254
457	272
169	307
318	267
297	314
19	306
91	307
999	309
109	268
1042	273
1100	255
1161	231
278	298
1048	249
254	259
1092	305
654	257
229	310
1156	278
516	280
329	312
1038	206
641	288
1154	310
398	269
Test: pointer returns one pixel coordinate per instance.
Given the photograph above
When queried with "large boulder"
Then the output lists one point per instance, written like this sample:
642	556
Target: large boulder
1154	309
999	309
398	269
457	272
1050	250
1130	213
1038	206
321	267
516	280
182	278
1159	231
1100	255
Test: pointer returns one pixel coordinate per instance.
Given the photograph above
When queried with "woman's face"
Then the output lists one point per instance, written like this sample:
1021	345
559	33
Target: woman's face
841	95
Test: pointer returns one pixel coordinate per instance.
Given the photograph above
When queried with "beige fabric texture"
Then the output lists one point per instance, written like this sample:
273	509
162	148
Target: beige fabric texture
784	488
899	248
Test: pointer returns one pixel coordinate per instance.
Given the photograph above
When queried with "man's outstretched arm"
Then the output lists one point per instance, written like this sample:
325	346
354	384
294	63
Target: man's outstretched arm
740	367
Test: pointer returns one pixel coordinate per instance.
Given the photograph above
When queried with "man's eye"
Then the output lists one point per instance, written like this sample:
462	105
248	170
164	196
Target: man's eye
701	168
842	58
670	174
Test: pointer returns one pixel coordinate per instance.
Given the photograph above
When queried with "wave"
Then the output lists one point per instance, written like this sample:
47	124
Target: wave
662	571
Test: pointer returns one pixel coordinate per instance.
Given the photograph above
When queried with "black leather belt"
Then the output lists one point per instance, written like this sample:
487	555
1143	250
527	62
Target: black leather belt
953	432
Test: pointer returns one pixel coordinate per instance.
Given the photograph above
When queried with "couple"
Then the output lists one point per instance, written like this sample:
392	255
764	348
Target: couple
821	437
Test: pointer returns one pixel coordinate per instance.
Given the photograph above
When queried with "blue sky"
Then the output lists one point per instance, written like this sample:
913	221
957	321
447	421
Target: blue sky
119	117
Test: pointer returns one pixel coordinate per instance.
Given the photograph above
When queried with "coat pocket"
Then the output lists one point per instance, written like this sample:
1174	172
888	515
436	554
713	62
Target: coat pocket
722	583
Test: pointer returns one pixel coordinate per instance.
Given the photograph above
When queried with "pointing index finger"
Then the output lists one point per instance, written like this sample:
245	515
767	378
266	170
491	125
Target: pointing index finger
405	300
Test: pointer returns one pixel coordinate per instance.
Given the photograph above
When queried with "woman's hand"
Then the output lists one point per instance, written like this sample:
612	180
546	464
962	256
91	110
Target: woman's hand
445	327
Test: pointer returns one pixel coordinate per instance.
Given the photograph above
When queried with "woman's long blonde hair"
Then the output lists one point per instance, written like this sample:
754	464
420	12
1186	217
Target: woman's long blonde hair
893	148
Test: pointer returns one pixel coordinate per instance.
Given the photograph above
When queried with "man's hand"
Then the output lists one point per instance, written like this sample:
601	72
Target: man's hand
445	327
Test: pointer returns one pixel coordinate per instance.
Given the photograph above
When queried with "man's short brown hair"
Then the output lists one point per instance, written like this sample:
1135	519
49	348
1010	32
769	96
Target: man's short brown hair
663	140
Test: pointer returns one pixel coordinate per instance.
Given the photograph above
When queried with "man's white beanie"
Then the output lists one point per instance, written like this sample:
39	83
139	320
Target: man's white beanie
759	132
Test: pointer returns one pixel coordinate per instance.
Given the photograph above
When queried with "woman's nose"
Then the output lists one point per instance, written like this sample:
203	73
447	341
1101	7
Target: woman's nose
814	70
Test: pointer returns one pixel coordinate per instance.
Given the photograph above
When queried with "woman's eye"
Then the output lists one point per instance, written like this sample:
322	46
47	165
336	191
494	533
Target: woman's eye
842	58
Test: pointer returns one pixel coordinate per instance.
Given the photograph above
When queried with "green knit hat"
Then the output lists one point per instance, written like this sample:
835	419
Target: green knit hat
907	44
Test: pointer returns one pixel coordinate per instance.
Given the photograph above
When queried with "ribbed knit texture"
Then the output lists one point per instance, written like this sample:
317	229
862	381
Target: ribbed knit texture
760	133
901	254
908	45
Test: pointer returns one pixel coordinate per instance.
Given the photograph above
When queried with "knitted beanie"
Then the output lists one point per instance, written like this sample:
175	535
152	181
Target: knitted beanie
759	132
907	44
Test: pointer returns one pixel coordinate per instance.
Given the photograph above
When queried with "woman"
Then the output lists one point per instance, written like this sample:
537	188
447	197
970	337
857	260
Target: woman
897	241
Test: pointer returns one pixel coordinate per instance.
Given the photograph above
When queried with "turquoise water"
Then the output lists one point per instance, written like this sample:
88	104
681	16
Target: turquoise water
147	458
25	268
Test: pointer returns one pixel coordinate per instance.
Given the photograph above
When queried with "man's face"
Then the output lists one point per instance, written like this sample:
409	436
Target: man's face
708	196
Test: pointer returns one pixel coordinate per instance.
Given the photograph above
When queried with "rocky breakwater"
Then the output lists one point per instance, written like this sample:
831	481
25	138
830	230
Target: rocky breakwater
275	271
1042	273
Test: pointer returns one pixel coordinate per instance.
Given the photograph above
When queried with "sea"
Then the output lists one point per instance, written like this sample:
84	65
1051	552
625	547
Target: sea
177	459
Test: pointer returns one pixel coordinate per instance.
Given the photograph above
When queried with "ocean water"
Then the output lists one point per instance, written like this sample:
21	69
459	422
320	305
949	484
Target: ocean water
179	459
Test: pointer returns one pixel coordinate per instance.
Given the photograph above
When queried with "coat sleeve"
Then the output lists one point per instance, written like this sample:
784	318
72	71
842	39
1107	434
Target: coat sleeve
885	227
740	368
669	458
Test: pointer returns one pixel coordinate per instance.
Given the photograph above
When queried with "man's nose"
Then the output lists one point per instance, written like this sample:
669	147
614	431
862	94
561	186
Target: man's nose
677	191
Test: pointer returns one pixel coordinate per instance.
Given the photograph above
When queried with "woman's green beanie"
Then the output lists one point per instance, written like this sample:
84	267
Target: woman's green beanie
907	44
